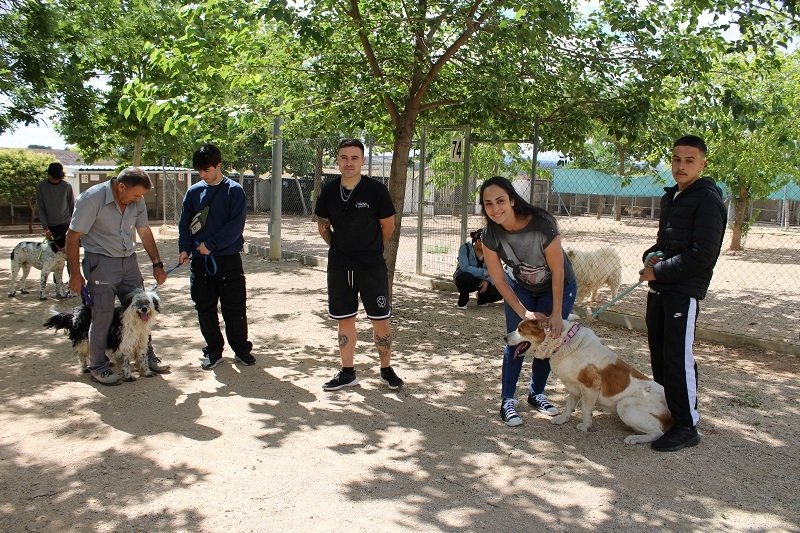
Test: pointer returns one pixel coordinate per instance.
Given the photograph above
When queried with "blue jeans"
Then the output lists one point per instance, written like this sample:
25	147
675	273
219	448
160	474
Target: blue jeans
541	303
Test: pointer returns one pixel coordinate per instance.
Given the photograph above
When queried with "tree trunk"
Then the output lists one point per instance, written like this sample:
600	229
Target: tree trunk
739	218
600	205
138	146
398	176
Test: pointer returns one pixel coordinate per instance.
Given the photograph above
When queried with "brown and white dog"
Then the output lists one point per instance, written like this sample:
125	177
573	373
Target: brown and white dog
593	374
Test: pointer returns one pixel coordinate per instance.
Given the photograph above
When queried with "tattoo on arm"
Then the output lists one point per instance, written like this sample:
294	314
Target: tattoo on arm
384	343
343	340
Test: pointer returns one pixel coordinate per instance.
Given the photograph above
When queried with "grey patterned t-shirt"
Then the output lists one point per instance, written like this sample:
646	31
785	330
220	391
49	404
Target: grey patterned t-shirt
522	252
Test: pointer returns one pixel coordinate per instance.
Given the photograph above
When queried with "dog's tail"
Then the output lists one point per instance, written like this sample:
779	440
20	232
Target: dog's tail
59	321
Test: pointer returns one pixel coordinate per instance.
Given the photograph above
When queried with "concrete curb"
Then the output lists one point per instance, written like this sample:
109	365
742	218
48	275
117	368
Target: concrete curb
613	318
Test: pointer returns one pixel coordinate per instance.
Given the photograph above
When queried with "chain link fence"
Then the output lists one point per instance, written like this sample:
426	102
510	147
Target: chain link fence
754	291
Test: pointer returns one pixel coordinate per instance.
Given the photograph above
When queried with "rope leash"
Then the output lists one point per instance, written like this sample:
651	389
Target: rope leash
629	290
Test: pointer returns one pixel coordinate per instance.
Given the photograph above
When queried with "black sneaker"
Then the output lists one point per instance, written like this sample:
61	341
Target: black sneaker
463	300
676	438
388	375
508	412
340	381
540	403
210	361
245	359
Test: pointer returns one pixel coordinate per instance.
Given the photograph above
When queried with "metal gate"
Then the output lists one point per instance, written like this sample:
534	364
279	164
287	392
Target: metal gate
444	198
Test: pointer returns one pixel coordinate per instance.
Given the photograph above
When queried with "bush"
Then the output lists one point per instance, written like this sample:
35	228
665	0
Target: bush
20	172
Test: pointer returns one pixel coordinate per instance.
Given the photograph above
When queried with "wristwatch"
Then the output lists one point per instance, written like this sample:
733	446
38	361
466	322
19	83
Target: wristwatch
160	264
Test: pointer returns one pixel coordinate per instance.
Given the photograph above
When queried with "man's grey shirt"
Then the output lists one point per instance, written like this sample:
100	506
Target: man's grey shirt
104	228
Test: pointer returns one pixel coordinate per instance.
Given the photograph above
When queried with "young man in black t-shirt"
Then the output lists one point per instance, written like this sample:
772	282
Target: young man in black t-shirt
356	218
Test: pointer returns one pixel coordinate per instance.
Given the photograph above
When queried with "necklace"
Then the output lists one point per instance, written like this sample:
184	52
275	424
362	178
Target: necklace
344	197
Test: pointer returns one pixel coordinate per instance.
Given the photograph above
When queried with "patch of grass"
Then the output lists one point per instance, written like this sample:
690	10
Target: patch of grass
748	398
437	249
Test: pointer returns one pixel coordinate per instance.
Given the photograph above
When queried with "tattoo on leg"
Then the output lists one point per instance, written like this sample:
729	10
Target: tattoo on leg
384	343
343	340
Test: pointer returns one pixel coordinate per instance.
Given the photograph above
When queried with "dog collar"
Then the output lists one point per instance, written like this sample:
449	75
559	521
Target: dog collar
570	334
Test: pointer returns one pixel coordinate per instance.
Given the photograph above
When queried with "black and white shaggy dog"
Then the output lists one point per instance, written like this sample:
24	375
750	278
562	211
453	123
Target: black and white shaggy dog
47	257
127	337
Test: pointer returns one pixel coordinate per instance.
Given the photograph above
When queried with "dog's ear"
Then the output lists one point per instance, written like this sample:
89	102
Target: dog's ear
126	301
532	328
156	301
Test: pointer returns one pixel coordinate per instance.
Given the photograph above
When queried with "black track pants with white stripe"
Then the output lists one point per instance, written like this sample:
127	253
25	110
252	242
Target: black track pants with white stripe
671	321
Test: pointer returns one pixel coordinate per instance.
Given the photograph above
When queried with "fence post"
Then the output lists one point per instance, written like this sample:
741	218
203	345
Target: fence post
465	194
421	199
277	196
535	162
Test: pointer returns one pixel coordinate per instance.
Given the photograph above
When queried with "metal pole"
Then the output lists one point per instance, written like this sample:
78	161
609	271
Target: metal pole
421	199
163	196
535	162
277	196
369	157
465	193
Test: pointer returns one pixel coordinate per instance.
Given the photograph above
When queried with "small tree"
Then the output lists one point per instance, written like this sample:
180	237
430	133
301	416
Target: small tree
20	172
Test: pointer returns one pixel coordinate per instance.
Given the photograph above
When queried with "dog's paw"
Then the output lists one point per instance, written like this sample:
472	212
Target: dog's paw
639	439
583	426
130	377
42	298
560	419
148	373
24	291
12	294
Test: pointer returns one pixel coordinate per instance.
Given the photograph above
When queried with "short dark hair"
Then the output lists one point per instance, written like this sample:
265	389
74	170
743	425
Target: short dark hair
208	155
55	170
351	142
693	141
135	177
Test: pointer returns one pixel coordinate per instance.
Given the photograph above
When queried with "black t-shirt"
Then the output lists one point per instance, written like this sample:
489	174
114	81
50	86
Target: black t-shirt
356	239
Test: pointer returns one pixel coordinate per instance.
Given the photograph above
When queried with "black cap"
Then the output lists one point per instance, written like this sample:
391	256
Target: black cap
55	170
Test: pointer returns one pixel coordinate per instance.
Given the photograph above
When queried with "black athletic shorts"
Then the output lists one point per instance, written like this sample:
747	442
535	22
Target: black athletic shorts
344	287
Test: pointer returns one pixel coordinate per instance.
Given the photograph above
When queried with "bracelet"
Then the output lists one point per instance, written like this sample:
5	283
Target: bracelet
160	264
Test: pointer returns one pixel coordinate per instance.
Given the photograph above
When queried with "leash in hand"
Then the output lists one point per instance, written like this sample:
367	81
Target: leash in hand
630	289
167	272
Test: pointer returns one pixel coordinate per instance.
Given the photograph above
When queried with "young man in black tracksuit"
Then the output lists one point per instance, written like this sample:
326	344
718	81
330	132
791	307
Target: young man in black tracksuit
690	232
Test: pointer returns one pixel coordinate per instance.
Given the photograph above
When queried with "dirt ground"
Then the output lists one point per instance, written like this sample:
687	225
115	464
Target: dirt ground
263	448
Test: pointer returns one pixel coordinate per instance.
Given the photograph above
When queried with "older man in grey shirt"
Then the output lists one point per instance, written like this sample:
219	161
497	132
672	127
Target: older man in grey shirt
104	220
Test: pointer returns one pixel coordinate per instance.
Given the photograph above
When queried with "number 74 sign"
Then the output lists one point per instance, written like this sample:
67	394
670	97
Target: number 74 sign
457	150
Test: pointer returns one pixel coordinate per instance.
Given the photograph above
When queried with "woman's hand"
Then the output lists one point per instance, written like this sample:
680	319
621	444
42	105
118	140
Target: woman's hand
484	286
534	315
556	325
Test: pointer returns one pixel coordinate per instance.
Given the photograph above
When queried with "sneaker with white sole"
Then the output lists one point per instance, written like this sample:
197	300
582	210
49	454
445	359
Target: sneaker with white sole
540	403
388	375
156	365
341	380
508	412
245	359
210	361
106	377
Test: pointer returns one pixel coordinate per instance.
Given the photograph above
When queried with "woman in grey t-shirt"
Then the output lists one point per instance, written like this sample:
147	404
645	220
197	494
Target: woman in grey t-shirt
538	279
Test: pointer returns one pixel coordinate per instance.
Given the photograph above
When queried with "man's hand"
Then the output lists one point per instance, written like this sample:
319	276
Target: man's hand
160	275
202	249
183	258
484	286
76	281
647	274
48	234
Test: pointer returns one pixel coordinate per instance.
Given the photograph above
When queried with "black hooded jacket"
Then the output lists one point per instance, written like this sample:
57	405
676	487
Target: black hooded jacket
690	232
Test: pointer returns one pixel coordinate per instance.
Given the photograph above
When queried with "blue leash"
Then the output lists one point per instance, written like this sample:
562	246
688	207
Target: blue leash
155	287
630	289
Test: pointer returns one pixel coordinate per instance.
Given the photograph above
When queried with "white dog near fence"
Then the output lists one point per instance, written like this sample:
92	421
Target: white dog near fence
47	257
594	269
